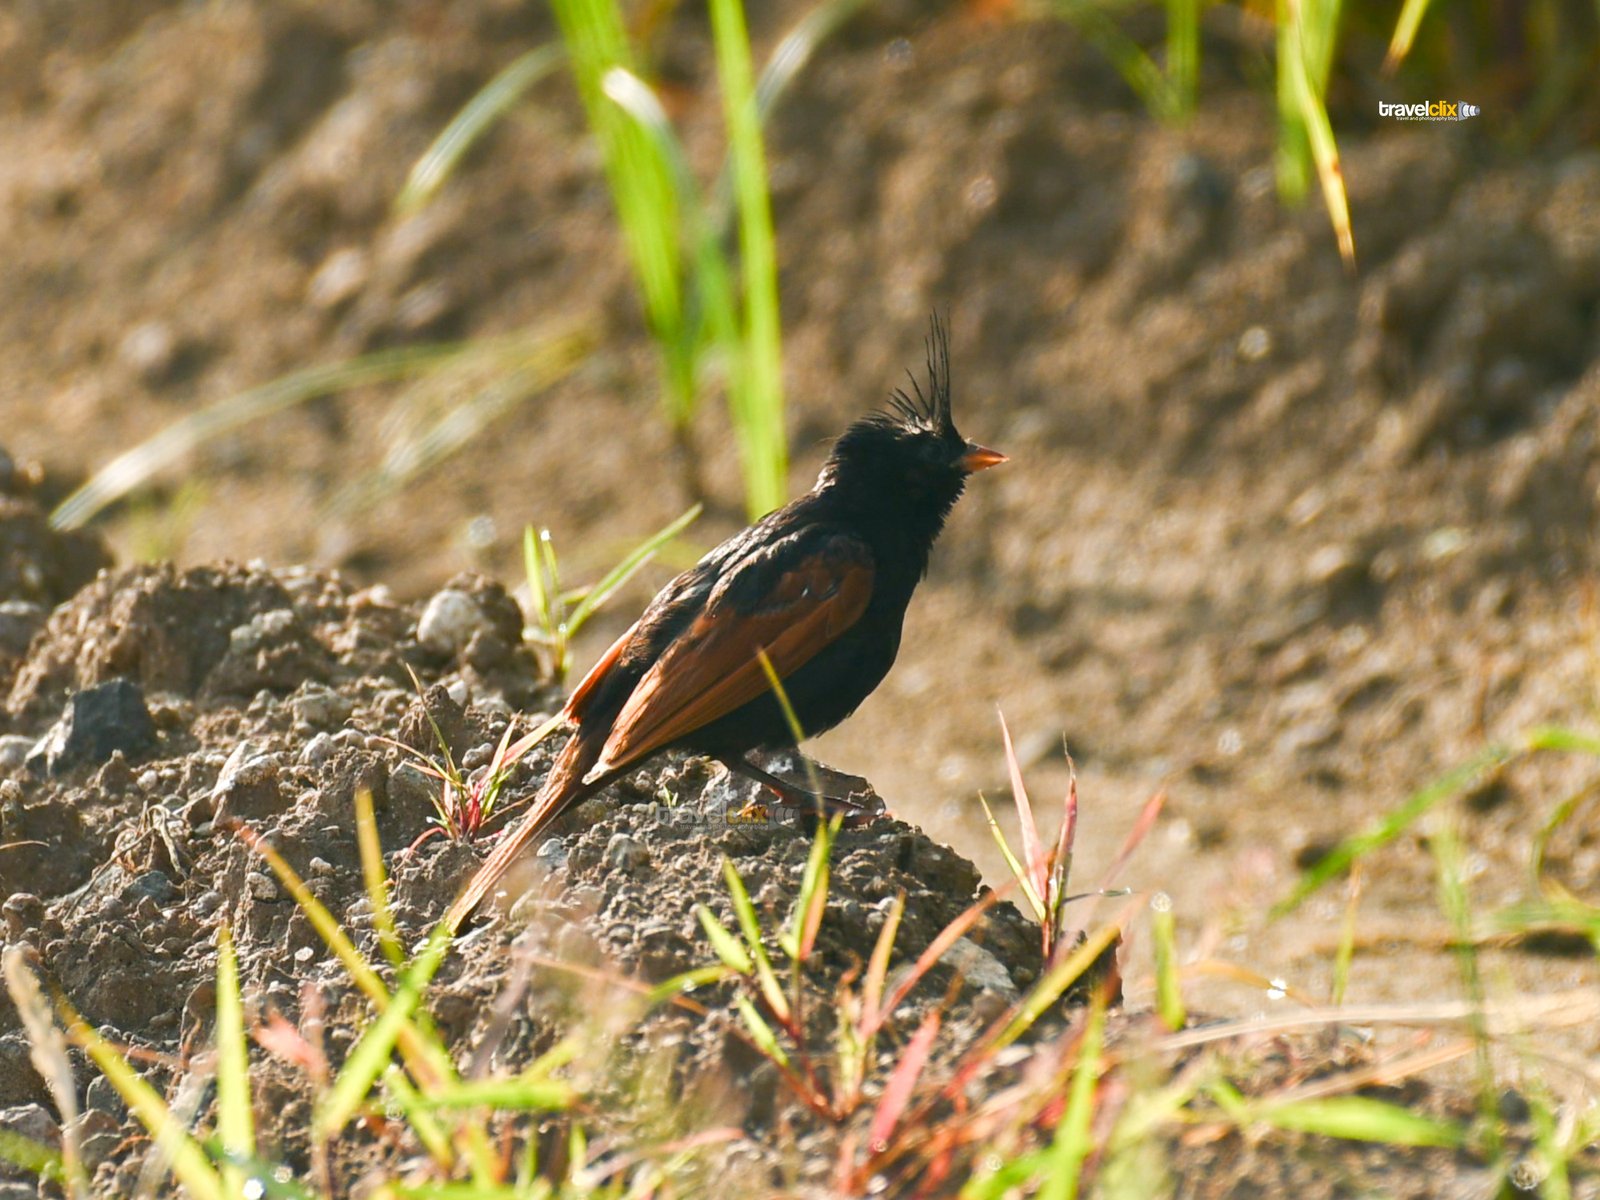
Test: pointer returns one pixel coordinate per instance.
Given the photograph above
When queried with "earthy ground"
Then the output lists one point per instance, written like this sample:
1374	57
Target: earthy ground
1284	541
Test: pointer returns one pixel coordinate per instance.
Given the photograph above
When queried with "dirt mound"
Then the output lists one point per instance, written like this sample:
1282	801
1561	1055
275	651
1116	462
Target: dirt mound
272	697
39	566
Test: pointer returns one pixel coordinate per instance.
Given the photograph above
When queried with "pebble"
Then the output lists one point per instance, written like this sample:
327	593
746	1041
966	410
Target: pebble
14	751
320	867
982	969
97	722
261	629
149	350
449	620
318	750
626	854
262	887
320	707
102	1096
552	853
98	1134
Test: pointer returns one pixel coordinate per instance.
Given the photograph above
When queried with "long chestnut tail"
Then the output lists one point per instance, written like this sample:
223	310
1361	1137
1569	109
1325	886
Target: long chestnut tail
563	788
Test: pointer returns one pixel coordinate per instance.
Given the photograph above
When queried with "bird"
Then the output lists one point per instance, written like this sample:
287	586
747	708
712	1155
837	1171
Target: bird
818	588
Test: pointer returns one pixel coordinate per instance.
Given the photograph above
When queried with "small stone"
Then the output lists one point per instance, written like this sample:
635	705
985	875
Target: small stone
627	854
31	1121
102	1096
341	275
318	750
1255	344
14	751
149	350
153	886
206	903
98	1134
304	955
148	781
552	854
320	868
449	621
97	722
23	913
982	970
320	707
262	887
459	691
247	787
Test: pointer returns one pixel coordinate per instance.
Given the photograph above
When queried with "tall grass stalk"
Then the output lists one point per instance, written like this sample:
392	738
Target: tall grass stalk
685	277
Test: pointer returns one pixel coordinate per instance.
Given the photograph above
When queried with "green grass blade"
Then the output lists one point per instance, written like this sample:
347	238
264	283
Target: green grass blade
813	898
235	1122
492	102
750	926
33	1157
758	413
760	1032
878	967
399	1092
1138	70
373	875
627	568
1304	55
1073	1143
687	981
371	1054
1052	985
1183	54
172	1141
641	184
550	358
1557	737
1018	872
517	1094
1360	1118
1338	860
726	946
424	1054
1405	33
1164	937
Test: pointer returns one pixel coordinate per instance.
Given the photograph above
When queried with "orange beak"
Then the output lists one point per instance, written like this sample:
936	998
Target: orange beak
980	458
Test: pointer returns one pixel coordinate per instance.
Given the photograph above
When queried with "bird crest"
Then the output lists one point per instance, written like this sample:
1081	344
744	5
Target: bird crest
929	409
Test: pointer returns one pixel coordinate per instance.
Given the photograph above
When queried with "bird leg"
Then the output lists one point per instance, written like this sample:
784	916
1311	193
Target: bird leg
831	792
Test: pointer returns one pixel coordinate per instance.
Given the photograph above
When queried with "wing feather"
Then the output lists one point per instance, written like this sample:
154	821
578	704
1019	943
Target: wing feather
714	666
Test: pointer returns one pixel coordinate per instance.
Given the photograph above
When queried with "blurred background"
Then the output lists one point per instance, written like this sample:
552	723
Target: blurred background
1302	400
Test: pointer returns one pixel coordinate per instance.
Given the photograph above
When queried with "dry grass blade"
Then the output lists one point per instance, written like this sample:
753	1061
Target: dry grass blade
1037	871
872	1009
1557	1010
902	1082
439	161
47	1050
136	466
933	952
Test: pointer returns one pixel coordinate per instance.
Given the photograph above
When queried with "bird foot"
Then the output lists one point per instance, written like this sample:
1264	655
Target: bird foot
813	788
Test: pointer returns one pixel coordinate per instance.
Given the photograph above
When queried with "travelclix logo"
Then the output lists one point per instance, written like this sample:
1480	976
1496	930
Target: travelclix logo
1429	110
